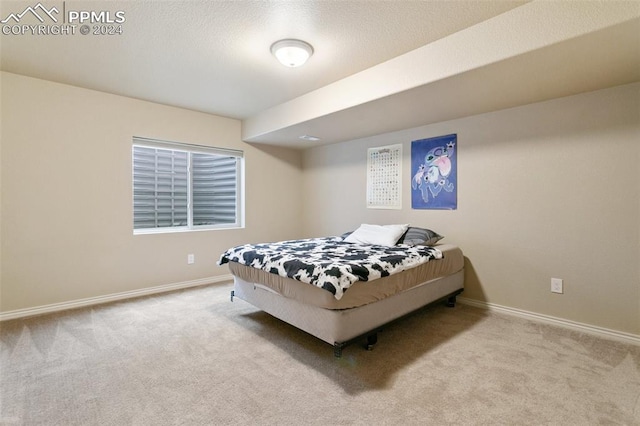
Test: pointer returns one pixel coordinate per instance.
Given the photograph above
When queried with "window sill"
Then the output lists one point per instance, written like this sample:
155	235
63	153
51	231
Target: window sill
181	230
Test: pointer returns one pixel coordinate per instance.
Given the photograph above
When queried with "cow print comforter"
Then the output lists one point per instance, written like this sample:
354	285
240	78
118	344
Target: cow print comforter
330	263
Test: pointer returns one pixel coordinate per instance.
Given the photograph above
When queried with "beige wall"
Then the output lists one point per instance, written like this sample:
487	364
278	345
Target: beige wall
66	204
545	190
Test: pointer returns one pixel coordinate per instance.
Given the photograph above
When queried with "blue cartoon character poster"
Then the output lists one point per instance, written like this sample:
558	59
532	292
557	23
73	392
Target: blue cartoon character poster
434	173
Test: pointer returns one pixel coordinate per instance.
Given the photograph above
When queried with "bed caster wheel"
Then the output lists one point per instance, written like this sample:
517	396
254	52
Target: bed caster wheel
451	302
371	341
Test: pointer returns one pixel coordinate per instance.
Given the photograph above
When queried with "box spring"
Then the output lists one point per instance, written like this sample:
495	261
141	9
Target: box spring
339	326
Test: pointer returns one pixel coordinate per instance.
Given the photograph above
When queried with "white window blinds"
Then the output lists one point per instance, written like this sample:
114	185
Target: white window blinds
178	186
215	196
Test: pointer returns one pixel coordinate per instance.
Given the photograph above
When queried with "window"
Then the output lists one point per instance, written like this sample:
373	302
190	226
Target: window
179	187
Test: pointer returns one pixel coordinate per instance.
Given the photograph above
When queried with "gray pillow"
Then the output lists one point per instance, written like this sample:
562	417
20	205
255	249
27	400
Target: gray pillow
420	236
346	234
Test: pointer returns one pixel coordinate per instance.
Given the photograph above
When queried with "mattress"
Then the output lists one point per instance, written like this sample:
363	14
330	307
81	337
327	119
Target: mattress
360	293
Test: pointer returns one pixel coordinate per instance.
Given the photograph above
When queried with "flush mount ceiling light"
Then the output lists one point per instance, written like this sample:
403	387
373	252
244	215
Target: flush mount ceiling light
291	53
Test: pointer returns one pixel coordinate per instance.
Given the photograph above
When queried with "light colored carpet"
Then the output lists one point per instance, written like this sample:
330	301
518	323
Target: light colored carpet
194	358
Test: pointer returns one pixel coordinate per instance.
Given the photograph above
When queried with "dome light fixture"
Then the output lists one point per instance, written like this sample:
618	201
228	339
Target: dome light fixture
291	53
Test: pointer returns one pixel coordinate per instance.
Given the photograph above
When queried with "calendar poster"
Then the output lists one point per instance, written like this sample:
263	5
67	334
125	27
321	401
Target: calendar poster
384	177
434	171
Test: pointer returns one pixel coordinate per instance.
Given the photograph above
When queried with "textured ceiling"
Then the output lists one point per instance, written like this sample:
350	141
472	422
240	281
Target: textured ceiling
541	50
378	66
213	56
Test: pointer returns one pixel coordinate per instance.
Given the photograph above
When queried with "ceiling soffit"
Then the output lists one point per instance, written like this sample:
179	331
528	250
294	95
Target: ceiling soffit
539	51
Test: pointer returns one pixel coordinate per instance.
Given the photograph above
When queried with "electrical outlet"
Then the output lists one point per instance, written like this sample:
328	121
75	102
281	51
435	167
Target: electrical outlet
556	285
191	259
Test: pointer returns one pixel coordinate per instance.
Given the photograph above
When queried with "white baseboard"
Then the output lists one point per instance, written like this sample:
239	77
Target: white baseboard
587	328
55	307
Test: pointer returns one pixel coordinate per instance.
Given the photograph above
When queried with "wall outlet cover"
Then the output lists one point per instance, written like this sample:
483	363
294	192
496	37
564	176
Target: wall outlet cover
556	285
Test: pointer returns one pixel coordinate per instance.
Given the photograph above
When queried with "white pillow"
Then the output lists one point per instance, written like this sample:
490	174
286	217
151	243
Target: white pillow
383	235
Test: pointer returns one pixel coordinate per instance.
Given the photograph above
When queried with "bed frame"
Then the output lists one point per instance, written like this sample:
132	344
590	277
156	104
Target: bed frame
340	327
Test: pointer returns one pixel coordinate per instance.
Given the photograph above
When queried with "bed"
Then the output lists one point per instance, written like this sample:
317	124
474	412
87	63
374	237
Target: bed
342	289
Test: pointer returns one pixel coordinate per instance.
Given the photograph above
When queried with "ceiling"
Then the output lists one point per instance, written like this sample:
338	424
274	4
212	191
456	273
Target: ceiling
373	62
